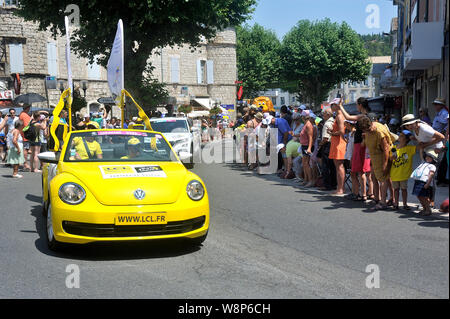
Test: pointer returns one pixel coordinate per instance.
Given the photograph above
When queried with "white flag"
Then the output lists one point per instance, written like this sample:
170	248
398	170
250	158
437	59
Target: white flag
69	69
115	63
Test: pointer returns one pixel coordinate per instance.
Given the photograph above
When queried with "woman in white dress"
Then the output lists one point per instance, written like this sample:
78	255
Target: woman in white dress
15	152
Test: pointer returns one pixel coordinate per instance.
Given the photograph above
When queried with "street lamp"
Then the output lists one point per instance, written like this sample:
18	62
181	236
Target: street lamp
84	86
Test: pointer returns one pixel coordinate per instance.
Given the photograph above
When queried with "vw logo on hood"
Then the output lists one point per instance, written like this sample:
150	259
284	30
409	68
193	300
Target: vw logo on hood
139	194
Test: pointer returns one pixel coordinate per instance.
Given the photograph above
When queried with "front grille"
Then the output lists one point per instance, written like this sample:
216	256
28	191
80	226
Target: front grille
110	230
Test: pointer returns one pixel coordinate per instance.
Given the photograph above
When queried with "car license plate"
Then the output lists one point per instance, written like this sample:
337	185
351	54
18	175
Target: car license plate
141	219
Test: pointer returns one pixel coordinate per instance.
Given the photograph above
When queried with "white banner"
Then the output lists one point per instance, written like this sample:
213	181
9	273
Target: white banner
69	69
115	63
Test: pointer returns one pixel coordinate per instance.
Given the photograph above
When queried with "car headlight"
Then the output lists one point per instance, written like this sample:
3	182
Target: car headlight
71	193
195	190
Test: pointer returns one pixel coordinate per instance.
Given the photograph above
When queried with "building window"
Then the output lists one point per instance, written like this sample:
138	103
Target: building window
282	100
52	59
9	2
201	69
94	70
205	71
16	58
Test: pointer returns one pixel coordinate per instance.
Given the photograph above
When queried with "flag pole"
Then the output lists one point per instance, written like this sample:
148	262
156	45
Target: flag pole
69	73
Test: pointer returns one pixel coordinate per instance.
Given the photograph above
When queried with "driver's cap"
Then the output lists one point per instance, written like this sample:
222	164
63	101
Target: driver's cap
134	141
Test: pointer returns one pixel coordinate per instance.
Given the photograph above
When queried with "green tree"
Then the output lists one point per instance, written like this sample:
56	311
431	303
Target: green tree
148	25
377	44
258	60
316	56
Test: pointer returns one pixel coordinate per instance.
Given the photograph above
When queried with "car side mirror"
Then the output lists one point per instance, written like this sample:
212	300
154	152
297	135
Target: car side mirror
49	157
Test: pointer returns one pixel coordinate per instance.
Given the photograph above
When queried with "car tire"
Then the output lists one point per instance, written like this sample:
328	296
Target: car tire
52	243
198	240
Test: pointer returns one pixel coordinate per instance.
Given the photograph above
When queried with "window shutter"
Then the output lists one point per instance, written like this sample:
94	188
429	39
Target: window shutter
16	58
175	70
52	59
210	71
199	72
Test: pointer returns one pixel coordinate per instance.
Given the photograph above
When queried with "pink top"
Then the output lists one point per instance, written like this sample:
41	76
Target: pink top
304	140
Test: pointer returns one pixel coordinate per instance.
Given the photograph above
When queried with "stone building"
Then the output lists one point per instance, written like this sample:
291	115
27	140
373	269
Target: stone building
203	77
33	55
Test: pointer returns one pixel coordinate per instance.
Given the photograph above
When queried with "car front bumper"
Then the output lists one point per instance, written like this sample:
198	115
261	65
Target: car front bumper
91	221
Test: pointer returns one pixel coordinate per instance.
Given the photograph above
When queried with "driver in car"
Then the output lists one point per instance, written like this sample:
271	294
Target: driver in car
133	148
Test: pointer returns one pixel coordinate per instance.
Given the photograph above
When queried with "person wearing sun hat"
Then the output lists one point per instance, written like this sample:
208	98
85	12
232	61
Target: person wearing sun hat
428	138
440	121
423	176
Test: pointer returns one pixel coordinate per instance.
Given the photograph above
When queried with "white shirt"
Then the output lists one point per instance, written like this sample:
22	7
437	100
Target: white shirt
327	125
426	134
422	172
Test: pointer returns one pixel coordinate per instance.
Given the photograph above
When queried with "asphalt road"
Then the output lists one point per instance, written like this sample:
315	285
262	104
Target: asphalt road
268	239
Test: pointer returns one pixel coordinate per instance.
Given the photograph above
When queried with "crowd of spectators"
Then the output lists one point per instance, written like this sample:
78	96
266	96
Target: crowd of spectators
376	153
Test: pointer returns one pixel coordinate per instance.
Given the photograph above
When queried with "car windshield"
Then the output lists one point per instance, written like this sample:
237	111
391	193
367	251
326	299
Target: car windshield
169	126
118	146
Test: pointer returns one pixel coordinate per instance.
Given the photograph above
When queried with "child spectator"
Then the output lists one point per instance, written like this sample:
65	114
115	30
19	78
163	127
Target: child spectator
423	175
401	168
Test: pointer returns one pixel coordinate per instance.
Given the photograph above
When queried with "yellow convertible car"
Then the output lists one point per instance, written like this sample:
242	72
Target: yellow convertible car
120	185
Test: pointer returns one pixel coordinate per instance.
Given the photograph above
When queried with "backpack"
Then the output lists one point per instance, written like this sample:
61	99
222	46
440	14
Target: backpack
29	131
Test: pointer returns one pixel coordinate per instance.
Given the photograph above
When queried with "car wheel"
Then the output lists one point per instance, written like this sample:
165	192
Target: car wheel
198	240
52	243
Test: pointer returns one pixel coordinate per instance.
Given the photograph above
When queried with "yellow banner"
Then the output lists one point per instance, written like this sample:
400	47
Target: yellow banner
141	112
56	118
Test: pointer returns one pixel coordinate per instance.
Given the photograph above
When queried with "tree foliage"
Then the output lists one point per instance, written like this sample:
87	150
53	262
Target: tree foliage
318	55
258	61
377	44
148	24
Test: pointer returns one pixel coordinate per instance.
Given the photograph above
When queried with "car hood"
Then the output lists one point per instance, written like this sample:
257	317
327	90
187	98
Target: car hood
114	183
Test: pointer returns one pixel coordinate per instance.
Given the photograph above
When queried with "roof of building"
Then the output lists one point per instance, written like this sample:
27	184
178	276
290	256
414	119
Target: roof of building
380	59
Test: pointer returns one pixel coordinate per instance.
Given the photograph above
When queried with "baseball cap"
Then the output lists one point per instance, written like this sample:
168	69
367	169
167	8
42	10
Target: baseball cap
406	132
335	101
133	141
94	124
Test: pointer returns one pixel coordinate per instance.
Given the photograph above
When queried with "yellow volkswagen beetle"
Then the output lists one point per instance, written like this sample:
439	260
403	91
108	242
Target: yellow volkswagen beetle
120	185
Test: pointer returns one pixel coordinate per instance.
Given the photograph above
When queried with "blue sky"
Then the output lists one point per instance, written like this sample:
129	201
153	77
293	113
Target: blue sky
281	15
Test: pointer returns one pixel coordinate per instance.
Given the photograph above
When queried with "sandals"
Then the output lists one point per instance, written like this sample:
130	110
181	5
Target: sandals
360	198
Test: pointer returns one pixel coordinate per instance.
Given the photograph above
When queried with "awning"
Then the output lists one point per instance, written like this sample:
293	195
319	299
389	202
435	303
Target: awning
194	114
205	102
